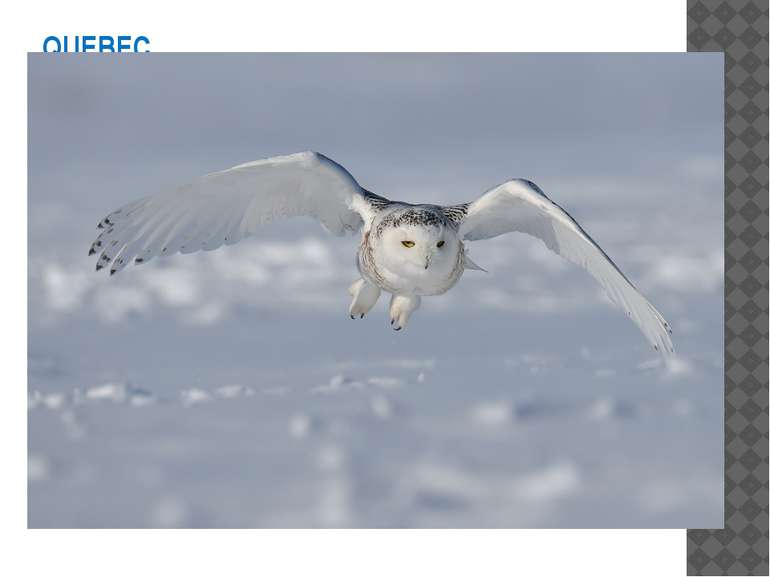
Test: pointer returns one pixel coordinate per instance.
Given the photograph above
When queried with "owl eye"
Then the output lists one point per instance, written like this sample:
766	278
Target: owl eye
440	243
407	243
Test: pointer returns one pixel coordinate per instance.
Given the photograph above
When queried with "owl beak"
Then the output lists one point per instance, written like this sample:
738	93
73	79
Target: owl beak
428	257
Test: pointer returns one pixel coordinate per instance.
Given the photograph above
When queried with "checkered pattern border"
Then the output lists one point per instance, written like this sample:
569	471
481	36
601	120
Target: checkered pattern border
739	28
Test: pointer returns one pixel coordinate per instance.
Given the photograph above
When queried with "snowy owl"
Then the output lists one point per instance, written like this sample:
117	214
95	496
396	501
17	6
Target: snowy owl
407	250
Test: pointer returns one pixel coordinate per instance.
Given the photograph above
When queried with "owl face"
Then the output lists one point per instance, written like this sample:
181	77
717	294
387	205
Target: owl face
420	249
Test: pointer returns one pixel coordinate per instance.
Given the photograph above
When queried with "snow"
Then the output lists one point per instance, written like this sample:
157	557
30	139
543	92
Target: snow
382	408
194	396
492	413
38	468
299	426
480	440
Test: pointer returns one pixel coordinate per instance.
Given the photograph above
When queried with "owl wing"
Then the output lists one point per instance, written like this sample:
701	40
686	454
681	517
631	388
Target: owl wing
224	207
520	206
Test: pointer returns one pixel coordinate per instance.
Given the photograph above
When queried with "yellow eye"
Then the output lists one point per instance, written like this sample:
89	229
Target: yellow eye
440	243
407	243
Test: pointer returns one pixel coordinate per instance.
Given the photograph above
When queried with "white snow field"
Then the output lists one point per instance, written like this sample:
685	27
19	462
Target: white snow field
230	388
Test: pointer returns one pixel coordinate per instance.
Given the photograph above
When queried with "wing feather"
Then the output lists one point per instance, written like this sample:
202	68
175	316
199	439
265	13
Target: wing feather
224	207
520	206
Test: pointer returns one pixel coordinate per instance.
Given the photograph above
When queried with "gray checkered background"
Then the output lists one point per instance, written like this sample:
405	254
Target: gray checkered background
740	29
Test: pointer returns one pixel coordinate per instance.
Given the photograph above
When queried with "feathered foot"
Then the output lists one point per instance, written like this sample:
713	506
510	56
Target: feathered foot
401	306
365	296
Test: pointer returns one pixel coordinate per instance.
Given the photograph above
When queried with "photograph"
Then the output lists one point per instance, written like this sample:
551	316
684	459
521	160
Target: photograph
376	290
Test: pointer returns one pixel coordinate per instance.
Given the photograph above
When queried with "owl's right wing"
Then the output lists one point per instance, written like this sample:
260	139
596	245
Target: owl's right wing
224	207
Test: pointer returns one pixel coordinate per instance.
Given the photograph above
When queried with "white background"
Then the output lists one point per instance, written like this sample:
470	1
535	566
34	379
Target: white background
651	26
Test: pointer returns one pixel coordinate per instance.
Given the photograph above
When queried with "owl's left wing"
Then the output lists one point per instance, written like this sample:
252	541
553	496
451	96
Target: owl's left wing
520	206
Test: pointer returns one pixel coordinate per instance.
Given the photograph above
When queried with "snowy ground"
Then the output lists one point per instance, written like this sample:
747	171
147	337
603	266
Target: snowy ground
471	417
286	427
230	389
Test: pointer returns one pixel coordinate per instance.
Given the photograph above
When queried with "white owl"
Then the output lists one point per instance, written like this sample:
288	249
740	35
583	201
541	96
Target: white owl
408	250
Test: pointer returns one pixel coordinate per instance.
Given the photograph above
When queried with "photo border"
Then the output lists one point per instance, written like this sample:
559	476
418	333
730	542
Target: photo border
740	30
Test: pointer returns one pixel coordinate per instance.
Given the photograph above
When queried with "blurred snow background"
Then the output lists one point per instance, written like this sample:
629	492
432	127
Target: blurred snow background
230	389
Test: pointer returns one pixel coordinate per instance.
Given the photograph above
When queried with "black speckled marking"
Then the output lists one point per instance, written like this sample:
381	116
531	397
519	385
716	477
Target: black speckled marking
455	214
413	217
376	201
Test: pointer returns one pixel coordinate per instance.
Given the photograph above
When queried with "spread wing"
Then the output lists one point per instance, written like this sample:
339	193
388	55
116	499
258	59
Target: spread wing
224	207
520	206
